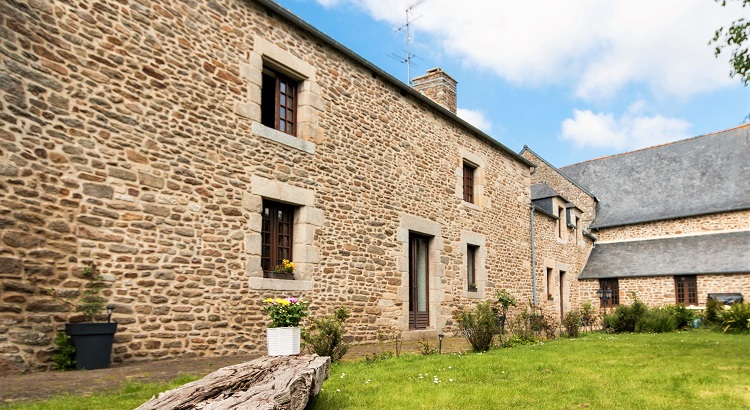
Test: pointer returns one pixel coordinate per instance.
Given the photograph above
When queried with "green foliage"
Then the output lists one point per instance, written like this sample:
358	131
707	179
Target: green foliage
683	317
656	320
505	300
735	38
90	302
285	312
712	314
325	336
596	371
571	323
64	354
736	319
425	348
378	357
478	325
625	317
588	314
519	340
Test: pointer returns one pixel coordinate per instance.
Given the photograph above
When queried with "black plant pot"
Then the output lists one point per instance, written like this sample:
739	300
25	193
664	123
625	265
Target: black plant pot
93	343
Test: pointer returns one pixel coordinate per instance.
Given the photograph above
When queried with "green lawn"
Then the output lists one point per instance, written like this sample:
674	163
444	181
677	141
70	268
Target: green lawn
129	397
689	370
693	370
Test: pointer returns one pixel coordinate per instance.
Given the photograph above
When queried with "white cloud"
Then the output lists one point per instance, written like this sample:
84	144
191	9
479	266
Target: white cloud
630	131
598	47
475	118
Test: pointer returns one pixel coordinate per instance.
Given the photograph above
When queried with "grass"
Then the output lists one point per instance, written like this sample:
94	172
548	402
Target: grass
689	370
129	397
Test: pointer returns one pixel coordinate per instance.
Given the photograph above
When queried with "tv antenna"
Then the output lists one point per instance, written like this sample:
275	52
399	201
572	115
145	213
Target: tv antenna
406	27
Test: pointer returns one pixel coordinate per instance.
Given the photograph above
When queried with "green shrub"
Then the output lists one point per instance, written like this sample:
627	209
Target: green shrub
625	317
657	320
519	340
478	325
325	336
588	314
711	316
736	319
64	354
683	317
571	323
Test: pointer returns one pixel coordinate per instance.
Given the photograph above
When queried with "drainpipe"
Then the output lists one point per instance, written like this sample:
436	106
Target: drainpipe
533	255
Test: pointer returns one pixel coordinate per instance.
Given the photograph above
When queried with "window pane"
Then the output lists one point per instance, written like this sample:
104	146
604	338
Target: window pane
282	87
282	99
421	275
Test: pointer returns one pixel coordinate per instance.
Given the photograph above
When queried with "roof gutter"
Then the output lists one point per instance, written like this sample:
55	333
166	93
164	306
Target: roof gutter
291	17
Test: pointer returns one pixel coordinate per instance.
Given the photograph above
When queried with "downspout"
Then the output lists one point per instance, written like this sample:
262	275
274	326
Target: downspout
533	255
533	250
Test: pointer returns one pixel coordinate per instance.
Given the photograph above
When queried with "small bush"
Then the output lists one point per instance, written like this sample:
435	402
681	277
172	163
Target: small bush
378	357
519	340
588	314
736	319
64	355
683	317
478	325
625	317
326	335
711	316
425	348
571	323
657	320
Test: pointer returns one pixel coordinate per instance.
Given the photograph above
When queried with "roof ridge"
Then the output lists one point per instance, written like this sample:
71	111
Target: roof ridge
656	146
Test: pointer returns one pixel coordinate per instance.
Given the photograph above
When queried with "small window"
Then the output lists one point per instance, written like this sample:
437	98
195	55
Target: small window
469	182
276	235
577	224
550	283
613	285
686	290
278	103
471	264
560	222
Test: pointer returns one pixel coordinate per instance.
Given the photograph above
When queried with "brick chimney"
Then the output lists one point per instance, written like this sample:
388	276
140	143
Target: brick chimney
439	87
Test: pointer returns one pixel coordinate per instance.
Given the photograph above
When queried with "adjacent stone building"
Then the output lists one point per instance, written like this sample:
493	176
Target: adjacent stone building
186	147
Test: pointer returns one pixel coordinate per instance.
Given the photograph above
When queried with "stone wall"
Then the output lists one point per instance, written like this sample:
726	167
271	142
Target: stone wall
660	290
554	254
713	223
129	138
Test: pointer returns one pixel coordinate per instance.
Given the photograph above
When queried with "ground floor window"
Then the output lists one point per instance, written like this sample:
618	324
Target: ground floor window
686	289
613	285
276	235
419	317
471	264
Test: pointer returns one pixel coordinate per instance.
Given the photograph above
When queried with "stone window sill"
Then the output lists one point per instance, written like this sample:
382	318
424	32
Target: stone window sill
470	205
262	131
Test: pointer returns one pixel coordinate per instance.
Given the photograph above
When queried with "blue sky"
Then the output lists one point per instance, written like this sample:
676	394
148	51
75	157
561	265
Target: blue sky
573	80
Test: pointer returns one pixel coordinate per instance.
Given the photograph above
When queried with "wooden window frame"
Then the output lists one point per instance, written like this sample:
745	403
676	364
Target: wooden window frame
686	289
277	239
468	182
471	267
279	96
417	319
614	284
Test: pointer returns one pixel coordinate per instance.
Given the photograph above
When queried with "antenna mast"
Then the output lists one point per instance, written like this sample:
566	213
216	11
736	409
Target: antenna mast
406	27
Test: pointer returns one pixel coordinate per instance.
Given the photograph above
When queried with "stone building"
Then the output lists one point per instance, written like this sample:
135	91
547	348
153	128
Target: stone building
186	147
672	221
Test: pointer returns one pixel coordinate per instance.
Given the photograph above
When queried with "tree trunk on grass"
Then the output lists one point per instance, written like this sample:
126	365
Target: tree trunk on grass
278	382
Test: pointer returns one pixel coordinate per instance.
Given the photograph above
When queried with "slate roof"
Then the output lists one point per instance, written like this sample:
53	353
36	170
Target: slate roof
701	175
541	191
684	255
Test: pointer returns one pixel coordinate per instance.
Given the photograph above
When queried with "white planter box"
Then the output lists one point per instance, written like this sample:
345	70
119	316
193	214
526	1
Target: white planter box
283	341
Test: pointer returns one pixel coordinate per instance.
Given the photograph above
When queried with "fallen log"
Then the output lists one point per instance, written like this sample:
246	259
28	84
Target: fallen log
268	383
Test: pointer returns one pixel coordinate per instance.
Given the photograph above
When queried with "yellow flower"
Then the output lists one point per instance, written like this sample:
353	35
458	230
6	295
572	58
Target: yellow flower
268	300
283	302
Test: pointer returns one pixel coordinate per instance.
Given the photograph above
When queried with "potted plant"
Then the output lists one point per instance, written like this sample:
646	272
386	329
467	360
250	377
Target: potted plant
92	341
284	270
549	296
472	287
284	333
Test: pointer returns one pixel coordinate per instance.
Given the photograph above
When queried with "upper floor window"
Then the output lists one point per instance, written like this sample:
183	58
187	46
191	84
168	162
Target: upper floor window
469	182
278	103
686	289
276	235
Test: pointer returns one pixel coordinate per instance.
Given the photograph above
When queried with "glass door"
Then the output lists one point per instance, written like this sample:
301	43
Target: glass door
418	281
